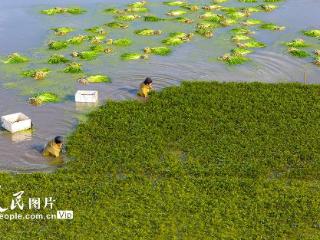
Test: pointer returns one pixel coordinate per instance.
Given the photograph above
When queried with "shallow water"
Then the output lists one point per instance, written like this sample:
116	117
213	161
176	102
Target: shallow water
23	29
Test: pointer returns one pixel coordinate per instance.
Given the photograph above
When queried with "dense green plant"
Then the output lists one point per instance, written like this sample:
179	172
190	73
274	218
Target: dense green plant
73	68
57	58
224	153
16	58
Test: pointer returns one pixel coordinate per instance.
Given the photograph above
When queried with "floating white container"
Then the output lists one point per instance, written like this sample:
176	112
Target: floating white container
86	96
16	122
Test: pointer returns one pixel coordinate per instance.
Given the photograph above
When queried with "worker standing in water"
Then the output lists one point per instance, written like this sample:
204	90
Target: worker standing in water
53	147
145	88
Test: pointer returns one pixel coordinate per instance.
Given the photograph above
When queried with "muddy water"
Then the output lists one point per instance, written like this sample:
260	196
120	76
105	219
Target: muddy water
23	29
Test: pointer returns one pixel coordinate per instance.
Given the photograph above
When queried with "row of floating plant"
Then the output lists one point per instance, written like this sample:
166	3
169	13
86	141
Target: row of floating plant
212	17
301	49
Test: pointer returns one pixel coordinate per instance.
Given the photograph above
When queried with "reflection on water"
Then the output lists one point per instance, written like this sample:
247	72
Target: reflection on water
23	29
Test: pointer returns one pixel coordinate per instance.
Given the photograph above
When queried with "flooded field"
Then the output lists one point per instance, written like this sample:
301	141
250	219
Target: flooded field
23	29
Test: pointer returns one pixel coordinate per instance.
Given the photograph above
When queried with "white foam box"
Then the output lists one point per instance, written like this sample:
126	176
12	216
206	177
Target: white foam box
16	122
86	96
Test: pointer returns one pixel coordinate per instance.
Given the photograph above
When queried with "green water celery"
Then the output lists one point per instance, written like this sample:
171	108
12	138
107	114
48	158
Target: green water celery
45	97
251	44
113	165
174	3
272	27
127	18
147	32
176	12
88	55
297	43
76	40
233	59
298	52
312	33
133	56
57	58
177	38
62	31
60	10
121	42
98	79
73	68
57	45
268	7
152	18
15	58
117	25
162	51
37	74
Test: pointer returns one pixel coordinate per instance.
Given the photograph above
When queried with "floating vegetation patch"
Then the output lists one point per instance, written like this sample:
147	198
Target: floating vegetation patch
133	56
176	12
248	1
241	37
57	45
117	25
37	74
97	39
233	59
121	42
317	52
212	7
162	51
97	30
60	10
61	31
88	55
297	43
137	10
148	32
190	7
15	58
183	20
127	18
252	44
209	16
206	25
100	48
46	97
98	79
251	22
298	52
177	38
139	4
316	61
113	11
312	33
242	30
204	32
73	68
268	7
56	59
76	40
175	3
225	22
237	15
272	27
153	19
240	51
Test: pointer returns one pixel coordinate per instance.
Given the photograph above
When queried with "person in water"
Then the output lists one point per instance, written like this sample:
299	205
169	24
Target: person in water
145	88
53	147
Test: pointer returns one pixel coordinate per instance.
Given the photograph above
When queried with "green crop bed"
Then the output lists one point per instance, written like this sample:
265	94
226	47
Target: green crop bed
199	161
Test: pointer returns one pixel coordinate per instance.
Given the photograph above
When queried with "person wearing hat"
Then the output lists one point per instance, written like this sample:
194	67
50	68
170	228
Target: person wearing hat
53	147
145	88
